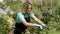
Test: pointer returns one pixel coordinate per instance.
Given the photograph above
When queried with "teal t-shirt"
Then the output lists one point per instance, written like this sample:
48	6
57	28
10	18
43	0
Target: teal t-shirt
20	17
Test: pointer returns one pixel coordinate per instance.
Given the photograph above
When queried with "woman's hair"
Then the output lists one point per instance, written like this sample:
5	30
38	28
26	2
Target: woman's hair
26	5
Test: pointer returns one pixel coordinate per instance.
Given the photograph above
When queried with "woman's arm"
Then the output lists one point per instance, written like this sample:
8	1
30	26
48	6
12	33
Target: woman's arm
28	24
31	25
37	20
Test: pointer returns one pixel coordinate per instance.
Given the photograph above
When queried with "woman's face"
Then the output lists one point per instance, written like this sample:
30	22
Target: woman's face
29	8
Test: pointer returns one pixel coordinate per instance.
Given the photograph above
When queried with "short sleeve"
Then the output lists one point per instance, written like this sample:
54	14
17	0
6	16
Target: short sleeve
20	17
32	15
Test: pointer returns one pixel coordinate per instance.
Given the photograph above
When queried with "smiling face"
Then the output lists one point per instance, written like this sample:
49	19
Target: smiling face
27	7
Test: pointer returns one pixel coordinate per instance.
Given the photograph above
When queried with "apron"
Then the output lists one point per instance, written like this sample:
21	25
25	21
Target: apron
20	27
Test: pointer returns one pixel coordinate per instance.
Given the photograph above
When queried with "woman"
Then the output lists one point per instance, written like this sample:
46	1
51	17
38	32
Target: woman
23	19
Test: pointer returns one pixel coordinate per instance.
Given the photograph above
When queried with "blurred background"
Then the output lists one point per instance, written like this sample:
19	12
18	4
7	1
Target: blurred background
46	10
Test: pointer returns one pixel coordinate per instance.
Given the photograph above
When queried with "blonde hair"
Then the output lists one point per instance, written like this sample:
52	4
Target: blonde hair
26	5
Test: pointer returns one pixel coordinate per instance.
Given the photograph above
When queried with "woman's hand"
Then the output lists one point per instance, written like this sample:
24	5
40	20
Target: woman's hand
40	26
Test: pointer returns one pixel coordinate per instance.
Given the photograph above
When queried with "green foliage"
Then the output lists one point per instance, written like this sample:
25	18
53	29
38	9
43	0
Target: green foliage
58	5
3	25
49	13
